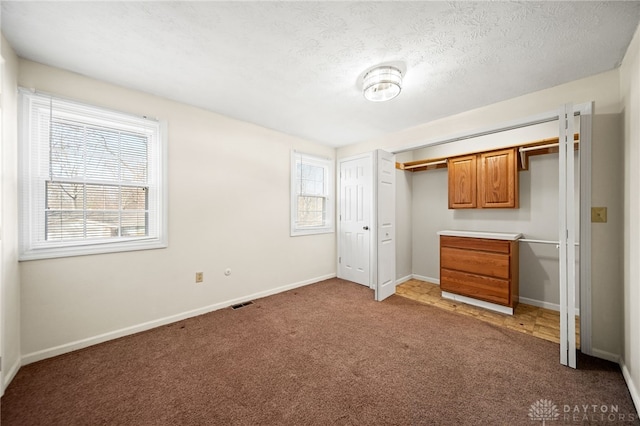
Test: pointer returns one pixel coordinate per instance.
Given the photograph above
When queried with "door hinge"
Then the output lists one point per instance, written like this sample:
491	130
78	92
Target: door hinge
340	260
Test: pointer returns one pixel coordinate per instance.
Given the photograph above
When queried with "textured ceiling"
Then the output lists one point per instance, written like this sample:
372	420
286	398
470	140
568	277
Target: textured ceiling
297	67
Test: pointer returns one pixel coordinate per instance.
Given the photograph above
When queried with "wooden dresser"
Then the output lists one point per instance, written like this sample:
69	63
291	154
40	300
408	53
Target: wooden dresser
482	267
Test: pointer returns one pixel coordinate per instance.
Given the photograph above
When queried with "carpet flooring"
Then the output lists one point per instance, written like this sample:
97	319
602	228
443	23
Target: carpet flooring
323	354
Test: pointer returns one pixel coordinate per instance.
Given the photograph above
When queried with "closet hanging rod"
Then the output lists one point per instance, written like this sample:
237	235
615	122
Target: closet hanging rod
524	149
536	147
527	240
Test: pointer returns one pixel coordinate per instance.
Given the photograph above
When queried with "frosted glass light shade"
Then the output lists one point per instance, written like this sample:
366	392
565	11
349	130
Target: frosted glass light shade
382	84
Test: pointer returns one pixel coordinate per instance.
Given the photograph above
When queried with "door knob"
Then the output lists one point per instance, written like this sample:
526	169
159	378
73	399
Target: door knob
366	228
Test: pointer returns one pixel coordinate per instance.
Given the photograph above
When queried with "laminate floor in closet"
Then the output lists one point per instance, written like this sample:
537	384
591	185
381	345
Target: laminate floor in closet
539	322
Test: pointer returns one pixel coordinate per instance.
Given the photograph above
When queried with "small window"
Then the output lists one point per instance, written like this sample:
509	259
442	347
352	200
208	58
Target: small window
311	195
91	180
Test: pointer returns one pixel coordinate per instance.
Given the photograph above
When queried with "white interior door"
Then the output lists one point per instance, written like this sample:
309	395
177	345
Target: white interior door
354	257
567	238
386	224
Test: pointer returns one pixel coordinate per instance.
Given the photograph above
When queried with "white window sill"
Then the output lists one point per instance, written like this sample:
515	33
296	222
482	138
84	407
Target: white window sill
301	232
84	250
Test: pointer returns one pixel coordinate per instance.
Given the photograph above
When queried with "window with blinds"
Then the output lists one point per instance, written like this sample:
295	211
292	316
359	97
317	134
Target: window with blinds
92	180
311	194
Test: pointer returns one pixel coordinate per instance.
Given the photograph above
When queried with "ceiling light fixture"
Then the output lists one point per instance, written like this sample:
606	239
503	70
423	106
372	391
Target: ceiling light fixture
382	84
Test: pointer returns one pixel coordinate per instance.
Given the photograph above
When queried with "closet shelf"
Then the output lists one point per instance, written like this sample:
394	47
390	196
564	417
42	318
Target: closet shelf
418	166
539	147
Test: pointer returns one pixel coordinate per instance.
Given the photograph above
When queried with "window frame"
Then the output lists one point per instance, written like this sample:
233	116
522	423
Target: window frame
33	154
327	164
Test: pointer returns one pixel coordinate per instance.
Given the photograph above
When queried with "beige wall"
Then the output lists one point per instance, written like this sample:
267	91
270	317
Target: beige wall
603	89
228	208
630	91
607	248
9	271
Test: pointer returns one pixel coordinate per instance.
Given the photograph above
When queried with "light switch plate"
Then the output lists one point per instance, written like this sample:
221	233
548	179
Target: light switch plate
599	214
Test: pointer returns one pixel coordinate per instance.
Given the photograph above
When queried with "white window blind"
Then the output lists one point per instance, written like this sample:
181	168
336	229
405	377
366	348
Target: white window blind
311	194
91	180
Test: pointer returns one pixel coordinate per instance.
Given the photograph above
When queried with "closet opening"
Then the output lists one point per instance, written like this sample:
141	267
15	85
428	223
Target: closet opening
538	218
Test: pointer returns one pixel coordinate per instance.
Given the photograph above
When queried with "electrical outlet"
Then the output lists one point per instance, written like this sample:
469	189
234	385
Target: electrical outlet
199	277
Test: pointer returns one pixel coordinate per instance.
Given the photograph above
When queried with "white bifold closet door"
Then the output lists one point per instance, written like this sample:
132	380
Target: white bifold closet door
385	225
567	237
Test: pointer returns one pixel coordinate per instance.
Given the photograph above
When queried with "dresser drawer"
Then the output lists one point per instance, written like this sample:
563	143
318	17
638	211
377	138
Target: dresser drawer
477	262
482	244
479	287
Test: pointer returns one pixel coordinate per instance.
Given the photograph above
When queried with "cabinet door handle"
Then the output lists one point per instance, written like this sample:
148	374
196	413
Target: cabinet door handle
366	228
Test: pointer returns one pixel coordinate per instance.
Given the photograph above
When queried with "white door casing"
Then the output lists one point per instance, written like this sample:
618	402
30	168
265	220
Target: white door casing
386	225
354	254
2	285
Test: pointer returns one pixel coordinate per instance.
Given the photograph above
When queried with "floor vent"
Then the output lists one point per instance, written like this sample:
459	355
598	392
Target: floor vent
241	305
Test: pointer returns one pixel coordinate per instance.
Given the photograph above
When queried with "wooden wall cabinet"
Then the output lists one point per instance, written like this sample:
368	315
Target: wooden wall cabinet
484	180
498	179
483	269
463	182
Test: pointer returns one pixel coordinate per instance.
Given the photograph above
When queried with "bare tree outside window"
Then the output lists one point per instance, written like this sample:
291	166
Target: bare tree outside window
97	187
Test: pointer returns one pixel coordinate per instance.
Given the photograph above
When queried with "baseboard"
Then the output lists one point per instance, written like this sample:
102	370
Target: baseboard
543	304
605	355
90	341
403	279
10	374
426	279
633	389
